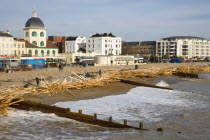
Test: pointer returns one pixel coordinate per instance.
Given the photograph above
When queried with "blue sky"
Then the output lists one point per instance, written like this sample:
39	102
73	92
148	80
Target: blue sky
133	20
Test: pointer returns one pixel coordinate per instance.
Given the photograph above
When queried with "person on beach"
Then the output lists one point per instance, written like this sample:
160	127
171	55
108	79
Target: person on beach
60	67
7	68
37	81
100	72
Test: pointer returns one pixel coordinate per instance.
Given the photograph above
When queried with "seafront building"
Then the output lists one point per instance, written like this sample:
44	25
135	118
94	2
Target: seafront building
34	44
6	44
75	45
104	44
183	46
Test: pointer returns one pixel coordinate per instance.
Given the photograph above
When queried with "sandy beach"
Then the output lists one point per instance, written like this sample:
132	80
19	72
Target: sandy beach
20	78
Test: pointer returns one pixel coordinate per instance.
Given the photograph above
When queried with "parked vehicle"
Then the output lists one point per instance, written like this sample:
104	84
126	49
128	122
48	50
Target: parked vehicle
175	60
35	63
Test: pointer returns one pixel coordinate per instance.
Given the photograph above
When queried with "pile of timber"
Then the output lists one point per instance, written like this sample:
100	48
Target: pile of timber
79	82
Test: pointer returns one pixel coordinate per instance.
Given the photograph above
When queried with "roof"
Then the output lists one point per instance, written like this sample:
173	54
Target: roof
182	37
71	38
5	35
50	44
124	58
103	35
34	22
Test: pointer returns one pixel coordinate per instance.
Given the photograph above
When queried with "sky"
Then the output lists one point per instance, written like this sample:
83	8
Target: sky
133	20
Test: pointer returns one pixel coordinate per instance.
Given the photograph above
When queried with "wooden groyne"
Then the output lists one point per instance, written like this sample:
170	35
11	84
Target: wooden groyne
142	84
182	74
62	112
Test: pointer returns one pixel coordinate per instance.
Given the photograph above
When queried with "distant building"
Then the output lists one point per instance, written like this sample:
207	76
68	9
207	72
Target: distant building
104	44
145	49
75	45
104	60
182	46
6	44
35	39
20	47
58	41
136	43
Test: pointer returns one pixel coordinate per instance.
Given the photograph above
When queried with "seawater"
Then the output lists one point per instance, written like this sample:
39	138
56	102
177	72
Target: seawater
182	115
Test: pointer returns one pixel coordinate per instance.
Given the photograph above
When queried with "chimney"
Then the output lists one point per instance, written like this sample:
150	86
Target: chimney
8	32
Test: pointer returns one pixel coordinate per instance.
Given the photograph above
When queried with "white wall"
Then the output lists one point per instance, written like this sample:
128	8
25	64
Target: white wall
7	46
72	46
194	47
104	45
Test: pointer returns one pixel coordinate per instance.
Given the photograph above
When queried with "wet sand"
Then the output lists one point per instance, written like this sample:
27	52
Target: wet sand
83	94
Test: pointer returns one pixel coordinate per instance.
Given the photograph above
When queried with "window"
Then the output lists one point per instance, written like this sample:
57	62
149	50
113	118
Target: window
48	52
34	42
30	52
53	52
42	52
36	52
41	43
105	51
34	34
105	45
41	34
27	34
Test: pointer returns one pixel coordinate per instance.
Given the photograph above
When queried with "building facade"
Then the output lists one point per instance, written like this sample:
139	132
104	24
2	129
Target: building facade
104	44
183	46
20	47
6	44
111	60
35	39
59	41
35	31
75	45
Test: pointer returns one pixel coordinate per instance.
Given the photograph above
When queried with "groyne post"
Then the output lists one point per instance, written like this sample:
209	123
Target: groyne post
95	116
68	110
110	118
125	122
141	125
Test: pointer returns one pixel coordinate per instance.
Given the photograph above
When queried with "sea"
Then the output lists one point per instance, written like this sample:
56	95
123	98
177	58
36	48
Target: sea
182	113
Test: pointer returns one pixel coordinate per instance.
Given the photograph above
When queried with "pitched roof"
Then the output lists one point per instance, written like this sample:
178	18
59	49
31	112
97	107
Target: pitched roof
183	37
71	38
5	34
49	44
29	45
103	35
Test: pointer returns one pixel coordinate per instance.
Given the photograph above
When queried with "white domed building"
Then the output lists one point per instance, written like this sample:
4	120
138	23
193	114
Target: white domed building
35	31
35	38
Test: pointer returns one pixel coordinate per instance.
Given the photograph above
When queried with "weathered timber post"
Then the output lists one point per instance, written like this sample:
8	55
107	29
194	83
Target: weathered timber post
125	122
80	111
95	116
68	110
141	125
110	118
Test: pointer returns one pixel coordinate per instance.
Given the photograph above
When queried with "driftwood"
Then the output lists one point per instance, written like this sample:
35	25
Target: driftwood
7	95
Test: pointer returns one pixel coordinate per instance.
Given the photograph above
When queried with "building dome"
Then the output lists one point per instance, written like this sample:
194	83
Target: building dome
34	22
